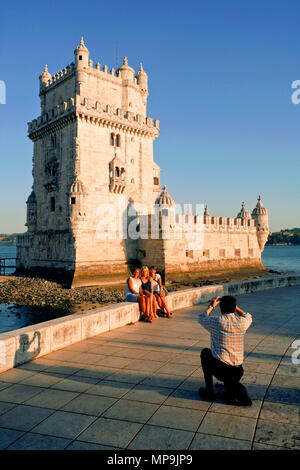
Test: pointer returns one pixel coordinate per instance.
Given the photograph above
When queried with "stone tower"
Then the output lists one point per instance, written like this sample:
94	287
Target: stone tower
93	152
96	209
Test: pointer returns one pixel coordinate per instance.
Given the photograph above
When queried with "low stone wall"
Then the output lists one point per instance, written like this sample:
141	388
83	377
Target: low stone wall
25	344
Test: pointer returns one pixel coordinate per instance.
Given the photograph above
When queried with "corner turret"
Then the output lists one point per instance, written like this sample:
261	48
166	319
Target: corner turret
44	77
164	200
142	79
126	72
31	212
81	55
243	214
261	219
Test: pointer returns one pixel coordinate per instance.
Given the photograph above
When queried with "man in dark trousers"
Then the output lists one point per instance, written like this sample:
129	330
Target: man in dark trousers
224	359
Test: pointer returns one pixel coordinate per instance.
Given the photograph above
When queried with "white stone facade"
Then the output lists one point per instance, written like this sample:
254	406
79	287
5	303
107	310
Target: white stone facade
92	160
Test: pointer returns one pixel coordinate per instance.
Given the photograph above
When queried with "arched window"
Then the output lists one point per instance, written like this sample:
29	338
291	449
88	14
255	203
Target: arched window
118	140
52	204
53	141
117	170
155	180
112	139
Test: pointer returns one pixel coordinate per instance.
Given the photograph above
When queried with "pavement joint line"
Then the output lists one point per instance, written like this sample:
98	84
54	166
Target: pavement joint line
24	432
29	430
205	414
227	437
265	394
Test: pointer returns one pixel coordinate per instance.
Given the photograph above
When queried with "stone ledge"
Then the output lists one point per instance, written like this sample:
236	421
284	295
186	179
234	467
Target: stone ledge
23	345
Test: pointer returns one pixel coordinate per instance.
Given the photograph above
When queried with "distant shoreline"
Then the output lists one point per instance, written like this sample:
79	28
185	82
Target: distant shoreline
282	244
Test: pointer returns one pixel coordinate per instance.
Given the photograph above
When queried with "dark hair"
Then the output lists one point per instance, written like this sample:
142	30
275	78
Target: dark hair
227	304
152	267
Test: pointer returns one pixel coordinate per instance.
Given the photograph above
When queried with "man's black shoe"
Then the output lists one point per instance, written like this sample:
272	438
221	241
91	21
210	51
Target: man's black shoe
206	394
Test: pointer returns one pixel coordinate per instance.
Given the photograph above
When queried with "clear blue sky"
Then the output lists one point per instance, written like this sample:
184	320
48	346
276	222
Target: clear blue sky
220	75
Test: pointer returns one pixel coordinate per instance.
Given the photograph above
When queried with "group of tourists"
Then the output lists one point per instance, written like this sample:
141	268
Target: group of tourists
227	330
145	287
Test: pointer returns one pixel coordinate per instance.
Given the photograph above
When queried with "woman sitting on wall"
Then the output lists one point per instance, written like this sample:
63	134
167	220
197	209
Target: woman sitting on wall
133	292
159	291
147	290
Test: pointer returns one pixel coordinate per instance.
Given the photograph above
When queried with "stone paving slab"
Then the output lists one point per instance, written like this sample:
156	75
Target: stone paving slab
136	388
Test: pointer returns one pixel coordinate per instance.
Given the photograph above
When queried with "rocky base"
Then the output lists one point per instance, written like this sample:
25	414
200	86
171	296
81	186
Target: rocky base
45	294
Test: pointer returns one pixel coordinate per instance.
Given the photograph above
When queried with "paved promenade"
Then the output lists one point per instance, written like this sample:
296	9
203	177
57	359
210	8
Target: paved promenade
136	387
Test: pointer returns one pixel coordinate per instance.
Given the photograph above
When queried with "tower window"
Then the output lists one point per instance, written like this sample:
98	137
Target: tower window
118	140
80	57
112	139
155	180
73	200
237	252
53	141
52	204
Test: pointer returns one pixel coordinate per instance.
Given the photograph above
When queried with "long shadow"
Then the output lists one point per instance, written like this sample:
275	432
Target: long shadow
164	386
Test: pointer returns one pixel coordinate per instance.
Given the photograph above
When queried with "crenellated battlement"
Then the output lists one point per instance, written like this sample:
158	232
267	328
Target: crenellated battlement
60	110
211	224
98	113
102	72
228	222
57	78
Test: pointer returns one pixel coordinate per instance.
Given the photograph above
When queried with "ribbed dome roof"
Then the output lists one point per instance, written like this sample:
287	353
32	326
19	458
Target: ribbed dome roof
81	47
125	66
77	187
164	199
260	208
45	75
244	214
141	71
